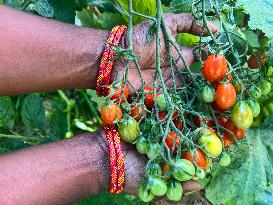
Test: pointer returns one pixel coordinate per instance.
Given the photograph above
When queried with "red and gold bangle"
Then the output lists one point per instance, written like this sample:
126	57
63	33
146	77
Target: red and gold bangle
113	140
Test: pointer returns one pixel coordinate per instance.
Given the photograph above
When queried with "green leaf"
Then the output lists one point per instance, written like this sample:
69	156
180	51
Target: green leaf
260	12
186	39
251	38
7	112
95	98
64	10
265	197
250	172
13	3
42	7
33	112
180	6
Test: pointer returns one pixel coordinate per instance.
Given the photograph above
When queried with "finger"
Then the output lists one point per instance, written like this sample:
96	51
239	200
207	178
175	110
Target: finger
185	23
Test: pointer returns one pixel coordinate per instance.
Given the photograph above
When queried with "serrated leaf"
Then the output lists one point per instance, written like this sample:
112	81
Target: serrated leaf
7	112
186	39
33	112
251	38
249	173
180	6
64	10
260	12
95	98
43	8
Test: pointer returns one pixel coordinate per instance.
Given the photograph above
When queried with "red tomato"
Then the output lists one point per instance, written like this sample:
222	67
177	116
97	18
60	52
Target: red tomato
117	92
256	60
221	119
198	157
216	108
137	111
227	140
215	68
171	139
178	123
225	96
238	132
209	123
109	113
162	114
149	98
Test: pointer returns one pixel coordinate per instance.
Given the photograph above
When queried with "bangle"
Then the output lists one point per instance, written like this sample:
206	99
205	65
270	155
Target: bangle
113	140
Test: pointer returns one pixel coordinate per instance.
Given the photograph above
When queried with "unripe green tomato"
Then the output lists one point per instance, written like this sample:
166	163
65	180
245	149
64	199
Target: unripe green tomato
161	102
157	185
141	146
153	170
255	92
153	150
269	71
241	115
174	191
145	194
255	107
68	134
225	160
265	87
208	94
269	107
200	173
129	130
183	170
265	111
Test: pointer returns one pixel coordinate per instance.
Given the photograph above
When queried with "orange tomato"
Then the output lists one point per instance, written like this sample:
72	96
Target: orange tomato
225	96
109	113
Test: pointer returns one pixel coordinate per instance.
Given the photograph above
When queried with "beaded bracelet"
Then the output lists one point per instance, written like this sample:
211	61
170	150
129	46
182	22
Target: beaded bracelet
113	140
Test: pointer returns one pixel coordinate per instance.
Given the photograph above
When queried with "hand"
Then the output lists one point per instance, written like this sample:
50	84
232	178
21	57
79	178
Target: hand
176	23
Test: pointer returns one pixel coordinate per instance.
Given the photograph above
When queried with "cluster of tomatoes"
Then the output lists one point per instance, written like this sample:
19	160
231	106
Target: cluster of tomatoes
183	140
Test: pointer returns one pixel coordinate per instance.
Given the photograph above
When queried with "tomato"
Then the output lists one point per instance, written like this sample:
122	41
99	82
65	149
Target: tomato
255	92
221	119
209	123
239	133
269	71
215	68
225	96
265	87
255	107
208	94
141	145
225	160
149	98
165	168
211	144
157	185
256	60
145	194
162	114
178	123
257	121
200	173
153	150
161	102
129	130
241	115
110	113
183	170
228	140
216	108
197	157
171	139
154	169
116	91
137	112
174	190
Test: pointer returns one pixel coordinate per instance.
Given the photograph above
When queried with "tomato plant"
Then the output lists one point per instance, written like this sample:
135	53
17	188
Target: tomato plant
225	96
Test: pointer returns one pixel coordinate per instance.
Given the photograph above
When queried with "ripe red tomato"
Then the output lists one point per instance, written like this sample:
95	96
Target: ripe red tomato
216	108
178	123
137	111
225	96
227	140
171	139
162	114
256	60
238	132
215	68
198	157
221	119
117	92
209	123
149	98
109	113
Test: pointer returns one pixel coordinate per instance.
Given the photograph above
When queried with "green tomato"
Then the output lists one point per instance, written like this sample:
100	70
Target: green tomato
129	130
257	121
200	173
161	102
211	144
269	107
153	170
141	145
174	191
255	92
225	160
265	87
269	71
255	107
183	170
208	94
157	185
241	115
145	194
153	150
